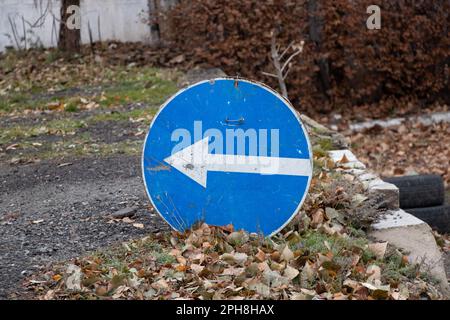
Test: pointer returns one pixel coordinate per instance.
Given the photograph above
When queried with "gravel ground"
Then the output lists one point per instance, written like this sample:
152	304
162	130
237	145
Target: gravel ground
50	212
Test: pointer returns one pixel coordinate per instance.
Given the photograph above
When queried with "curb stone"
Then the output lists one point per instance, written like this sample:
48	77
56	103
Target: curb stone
397	227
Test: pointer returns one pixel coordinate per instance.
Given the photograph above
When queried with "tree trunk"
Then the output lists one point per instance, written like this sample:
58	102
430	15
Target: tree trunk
155	32
69	37
315	33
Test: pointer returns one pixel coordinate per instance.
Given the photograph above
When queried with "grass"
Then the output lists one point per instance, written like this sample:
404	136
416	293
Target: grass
123	116
122	257
34	143
146	86
60	127
112	88
119	85
77	146
322	146
68	126
317	242
80	148
394	269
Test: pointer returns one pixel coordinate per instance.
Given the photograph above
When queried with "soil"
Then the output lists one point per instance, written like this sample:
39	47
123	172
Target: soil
50	212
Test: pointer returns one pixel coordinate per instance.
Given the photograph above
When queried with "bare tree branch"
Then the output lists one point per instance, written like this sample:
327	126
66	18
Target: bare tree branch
296	53
286	73
269	74
287	49
282	69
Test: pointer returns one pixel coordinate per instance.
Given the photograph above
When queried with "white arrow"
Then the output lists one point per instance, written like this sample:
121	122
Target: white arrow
195	161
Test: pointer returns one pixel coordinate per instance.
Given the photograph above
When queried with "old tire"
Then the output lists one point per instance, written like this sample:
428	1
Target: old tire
437	217
419	191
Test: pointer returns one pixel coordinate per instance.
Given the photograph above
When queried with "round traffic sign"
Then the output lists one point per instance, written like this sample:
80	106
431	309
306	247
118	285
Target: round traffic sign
227	151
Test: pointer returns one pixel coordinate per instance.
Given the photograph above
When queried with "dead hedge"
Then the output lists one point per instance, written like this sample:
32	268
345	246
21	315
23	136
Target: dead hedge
343	63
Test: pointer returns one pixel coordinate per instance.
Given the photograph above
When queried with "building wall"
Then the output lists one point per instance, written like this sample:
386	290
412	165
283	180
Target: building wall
121	20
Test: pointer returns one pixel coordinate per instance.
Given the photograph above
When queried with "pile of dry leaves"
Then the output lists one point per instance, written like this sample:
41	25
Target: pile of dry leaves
218	263
322	254
407	149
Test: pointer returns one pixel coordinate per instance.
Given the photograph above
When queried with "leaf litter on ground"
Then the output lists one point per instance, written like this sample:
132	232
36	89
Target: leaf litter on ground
324	253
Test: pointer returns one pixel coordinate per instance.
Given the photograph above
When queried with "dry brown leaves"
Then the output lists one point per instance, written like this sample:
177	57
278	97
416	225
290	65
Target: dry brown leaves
343	65
219	263
407	149
320	255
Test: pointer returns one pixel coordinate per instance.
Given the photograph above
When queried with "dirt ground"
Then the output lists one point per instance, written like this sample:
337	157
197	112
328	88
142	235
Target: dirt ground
63	173
51	213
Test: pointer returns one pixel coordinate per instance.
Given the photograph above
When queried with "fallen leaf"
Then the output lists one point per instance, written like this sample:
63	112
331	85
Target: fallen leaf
344	159
119	292
287	255
317	217
274	279
65	164
73	282
178	59
378	249
161	284
57	277
374	273
49	295
197	268
331	213
291	273
369	286
308	273
12	147
237	238
236	258
127	220
260	256
260	288
358	198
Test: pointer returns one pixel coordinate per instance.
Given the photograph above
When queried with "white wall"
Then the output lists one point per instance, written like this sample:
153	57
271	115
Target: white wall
120	20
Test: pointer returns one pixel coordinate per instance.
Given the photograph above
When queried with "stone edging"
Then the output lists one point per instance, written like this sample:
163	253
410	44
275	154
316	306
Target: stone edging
396	227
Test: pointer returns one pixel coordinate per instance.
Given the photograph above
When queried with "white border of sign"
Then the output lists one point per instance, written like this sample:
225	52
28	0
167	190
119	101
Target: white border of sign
263	86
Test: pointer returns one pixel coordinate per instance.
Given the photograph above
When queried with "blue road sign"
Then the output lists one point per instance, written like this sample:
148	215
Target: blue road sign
227	151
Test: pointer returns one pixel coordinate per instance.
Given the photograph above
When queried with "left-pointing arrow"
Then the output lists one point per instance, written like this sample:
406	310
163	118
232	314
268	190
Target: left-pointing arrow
195	161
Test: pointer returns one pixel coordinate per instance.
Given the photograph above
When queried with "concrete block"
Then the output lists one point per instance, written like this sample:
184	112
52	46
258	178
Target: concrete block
352	161
387	194
405	231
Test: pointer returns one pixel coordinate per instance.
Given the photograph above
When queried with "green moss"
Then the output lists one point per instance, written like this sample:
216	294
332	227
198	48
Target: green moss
394	269
164	258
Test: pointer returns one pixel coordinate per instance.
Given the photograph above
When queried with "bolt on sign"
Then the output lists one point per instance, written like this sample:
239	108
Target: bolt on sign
227	151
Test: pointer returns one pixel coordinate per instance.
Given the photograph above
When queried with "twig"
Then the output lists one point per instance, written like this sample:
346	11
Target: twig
282	68
287	49
269	74
24	32
290	59
91	41
98	29
13	28
277	65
